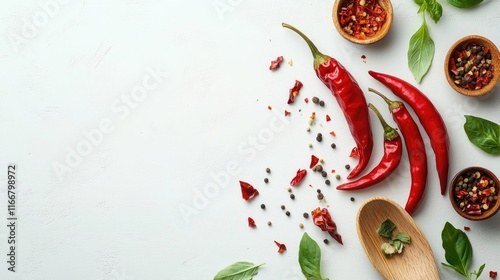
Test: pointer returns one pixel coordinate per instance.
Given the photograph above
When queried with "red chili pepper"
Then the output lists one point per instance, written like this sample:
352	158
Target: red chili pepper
393	149
429	117
276	63
294	91
322	218
301	173
314	161
281	247
248	191
415	148
251	222
350	98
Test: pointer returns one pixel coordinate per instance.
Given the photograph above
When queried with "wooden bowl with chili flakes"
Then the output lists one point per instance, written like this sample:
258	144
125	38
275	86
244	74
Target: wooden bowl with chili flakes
362	21
474	193
472	65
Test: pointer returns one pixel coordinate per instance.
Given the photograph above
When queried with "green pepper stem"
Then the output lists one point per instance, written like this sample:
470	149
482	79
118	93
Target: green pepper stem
389	132
319	58
392	104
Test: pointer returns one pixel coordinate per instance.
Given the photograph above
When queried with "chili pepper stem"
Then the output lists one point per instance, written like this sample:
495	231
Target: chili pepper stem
389	132
392	104
319	58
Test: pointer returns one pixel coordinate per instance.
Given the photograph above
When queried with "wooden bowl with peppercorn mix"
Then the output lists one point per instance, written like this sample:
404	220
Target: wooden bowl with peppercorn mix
362	21
474	193
471	65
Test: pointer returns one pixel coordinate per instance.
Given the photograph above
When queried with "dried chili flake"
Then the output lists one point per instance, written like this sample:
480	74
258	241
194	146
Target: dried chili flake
251	222
314	161
313	116
248	191
493	274
294	91
269	108
332	133
281	247
475	192
328	118
276	63
466	228
301	173
287	113
323	219
306	100
354	153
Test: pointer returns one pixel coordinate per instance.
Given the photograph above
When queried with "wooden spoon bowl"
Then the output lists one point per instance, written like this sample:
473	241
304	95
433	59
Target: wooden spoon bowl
415	262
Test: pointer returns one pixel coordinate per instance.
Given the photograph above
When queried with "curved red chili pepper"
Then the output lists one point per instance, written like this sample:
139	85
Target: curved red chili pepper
393	149
349	96
323	219
416	151
429	117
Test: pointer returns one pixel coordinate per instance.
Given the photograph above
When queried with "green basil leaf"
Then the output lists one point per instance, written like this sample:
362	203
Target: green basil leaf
402	237
464	3
457	247
483	133
419	2
310	258
238	271
478	273
434	9
420	52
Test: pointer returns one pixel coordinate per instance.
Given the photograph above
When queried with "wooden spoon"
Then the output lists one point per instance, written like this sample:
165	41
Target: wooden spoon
415	262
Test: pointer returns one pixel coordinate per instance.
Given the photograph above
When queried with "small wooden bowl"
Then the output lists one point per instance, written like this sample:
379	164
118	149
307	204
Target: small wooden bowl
485	213
495	61
386	4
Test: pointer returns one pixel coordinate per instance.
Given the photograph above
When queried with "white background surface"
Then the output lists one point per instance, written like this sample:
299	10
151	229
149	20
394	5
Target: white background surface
120	210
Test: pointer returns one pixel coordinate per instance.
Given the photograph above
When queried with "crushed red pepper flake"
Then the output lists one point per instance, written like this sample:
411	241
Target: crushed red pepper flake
275	64
269	108
301	173
251	222
466	228
314	161
287	113
493	274
323	219
248	191
328	118
313	116
362	18
354	153
332	133
294	91
281	247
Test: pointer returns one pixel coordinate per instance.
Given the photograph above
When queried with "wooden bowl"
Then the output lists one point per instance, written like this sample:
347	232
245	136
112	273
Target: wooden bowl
460	176
386	5
495	62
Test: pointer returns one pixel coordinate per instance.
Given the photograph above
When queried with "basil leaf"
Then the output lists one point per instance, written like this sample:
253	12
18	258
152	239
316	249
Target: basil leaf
434	9
310	258
457	247
420	52
483	133
464	3
402	237
478	273
419	2
238	271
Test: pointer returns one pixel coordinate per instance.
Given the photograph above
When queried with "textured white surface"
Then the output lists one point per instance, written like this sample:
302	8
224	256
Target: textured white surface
179	91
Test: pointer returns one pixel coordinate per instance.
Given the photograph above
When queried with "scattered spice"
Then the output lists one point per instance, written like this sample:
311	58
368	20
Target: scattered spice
315	100
327	182
281	247
301	173
321	103
262	206
323	219
268	170
251	223
310	145
266	180
326	241
466	228
248	191
347	166
470	66
269	223
314	161
301	225
289	189
333	146
332	133
328	118
337	176
324	174
292	196
318	168
305	215
319	137
493	274
320	196
287	113
306	100
282	207
275	64
290	62
313	116
294	91
287	213
269	108
362	18
354	153
475	193
352	199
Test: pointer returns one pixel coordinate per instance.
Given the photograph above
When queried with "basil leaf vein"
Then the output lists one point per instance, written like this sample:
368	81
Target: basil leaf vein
238	271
